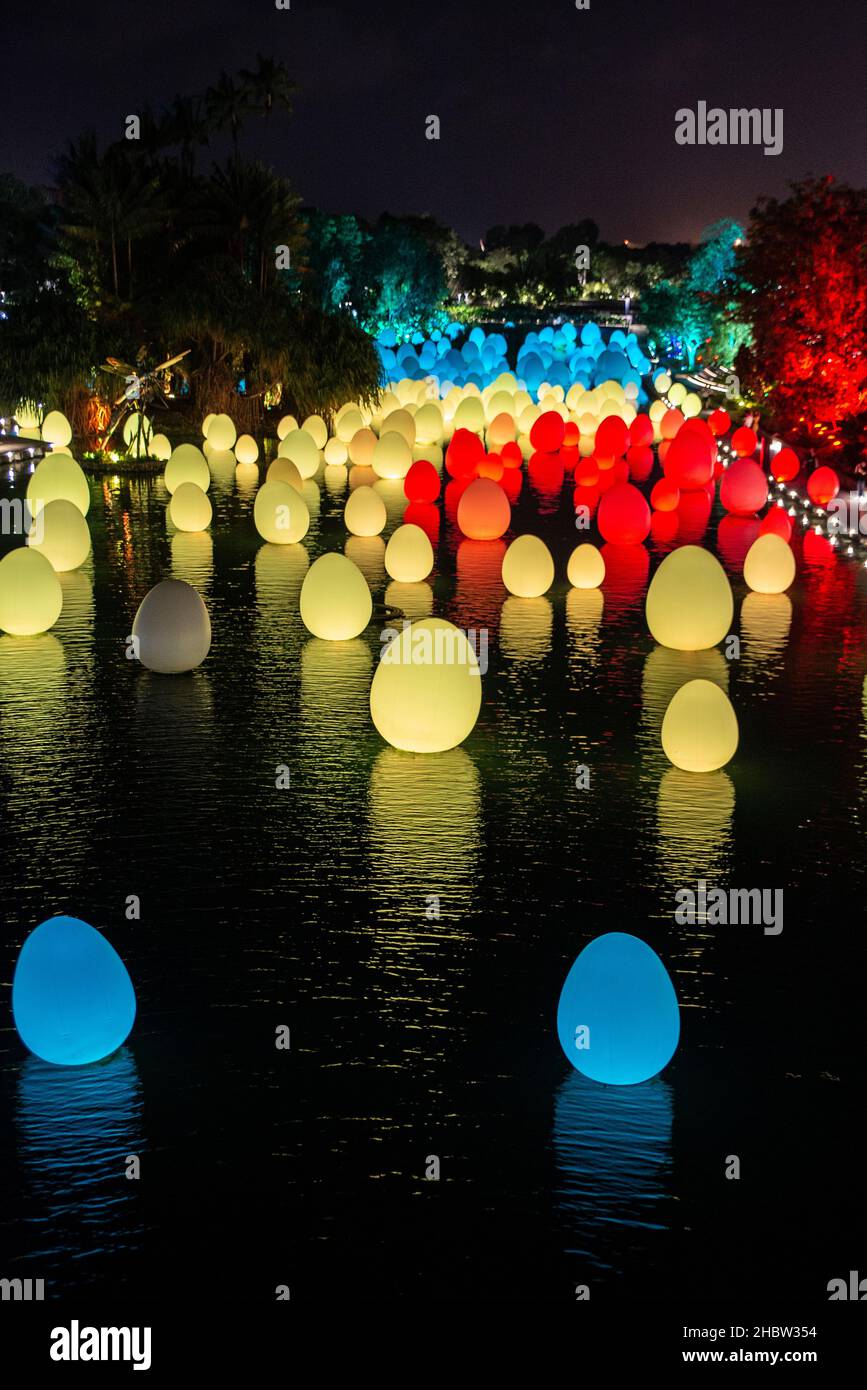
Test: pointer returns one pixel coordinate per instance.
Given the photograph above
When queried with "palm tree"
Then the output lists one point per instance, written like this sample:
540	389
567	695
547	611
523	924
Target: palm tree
227	106
107	200
184	125
250	211
270	85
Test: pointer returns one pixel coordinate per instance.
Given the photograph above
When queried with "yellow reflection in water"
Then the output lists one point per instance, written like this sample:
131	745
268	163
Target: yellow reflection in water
368	553
76	617
222	463
335	479
392	493
694	827
766	620
526	625
415	600
247	479
280	571
193	558
665	671
335	684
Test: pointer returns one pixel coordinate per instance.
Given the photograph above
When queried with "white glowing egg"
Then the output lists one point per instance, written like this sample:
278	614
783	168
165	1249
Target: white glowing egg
286	425
300	447
283	470
56	429
528	567
161	449
222	433
246	449
316	427
336	453
364	513
392	456
427	691
172	628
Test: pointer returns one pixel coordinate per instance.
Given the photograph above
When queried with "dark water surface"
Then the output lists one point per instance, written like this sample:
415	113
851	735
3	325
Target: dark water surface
412	1036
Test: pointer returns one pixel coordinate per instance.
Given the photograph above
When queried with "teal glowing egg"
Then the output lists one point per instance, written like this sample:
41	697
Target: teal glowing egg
618	1018
72	999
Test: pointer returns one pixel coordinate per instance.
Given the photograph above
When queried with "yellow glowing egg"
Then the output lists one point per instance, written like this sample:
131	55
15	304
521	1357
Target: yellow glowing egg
690	406
689	603
58	476
676	393
286	425
361	447
409	555
399	422
190	508
206	423
364	513
335	600
336	453
427	691
499	403
470	415
161	449
316	427
280	513
172	627
429	424
501	430
587	423
56	429
61	534
392	457
221	432
136	426
30	594
348	423
246	449
769	567
300	447
282	470
662	382
528	568
700	728
586	568
187	465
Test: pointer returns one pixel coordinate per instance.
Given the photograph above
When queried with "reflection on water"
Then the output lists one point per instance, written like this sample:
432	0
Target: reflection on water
766	620
694	821
415	601
368	553
665	671
193	559
526	625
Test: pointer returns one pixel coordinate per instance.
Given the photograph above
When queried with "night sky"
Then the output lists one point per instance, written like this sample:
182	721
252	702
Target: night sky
548	114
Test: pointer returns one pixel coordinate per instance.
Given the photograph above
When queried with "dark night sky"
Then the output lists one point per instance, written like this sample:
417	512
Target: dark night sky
548	114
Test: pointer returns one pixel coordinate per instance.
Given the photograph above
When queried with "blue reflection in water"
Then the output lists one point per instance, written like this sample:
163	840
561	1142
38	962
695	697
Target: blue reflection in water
75	1128
612	1146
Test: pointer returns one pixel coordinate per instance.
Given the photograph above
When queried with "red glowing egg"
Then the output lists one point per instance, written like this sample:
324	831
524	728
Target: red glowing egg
670	424
823	485
571	435
624	516
491	467
546	433
465	451
422	482
511	454
641	431
688	460
744	441
720	423
743	488
587	472
484	513
612	437
665	495
785	465
777	522
639	458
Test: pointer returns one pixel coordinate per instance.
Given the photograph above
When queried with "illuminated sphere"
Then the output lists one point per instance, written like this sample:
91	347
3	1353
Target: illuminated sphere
335	599
364	513
222	433
769	567
283	470
172	627
785	465
72	999
427	691
484	513
300	447
409	554
689	603
361	447
665	495
160	448
641	431
618	1019
464	453
422	482
612	437
65	535
187	465
744	441
285	425
30	594
822	485
689	460
316	427
528	567
399	422
348	422
392	456
190	509
719	422
677	393
336	453
246	449
691	405
57	476
470	414
700	728
670	424
624	516
56	429
429	424
743	487
206	423
546	432
280	513
586	567
502	430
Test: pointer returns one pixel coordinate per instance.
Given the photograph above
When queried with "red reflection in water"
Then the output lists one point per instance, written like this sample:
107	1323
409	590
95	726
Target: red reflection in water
734	537
693	513
626	571
427	516
479	587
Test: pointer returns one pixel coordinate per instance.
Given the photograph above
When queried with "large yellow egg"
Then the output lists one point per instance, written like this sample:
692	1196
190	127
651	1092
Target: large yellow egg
392	456
222	433
56	429
161	449
427	690
429	424
30	594
187	465
316	427
470	414
280	513
336	453
361	447
364	513
700	728
283	470
528	567
286	425
61	534
172	627
206	423
399	422
56	476
190	509
409	555
348	422
335	600
246	449
586	568
689	603
769	567
300	447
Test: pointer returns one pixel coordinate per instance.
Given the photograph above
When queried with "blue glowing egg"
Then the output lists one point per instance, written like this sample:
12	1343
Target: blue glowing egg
72	999
618	1018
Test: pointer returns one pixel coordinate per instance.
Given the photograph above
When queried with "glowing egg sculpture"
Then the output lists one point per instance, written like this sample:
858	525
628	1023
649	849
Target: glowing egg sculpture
689	603
427	691
409	554
335	599
422	482
586	567
56	429
190	508
823	485
300	447
280	513
31	598
618	1019
221	433
769	567
744	441
528	567
364	513
61	534
484	513
72	999
785	465
172	627
743	489
316	427
282	470
57	476
160	448
187	465
700	728
624	516
246	449
392	456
